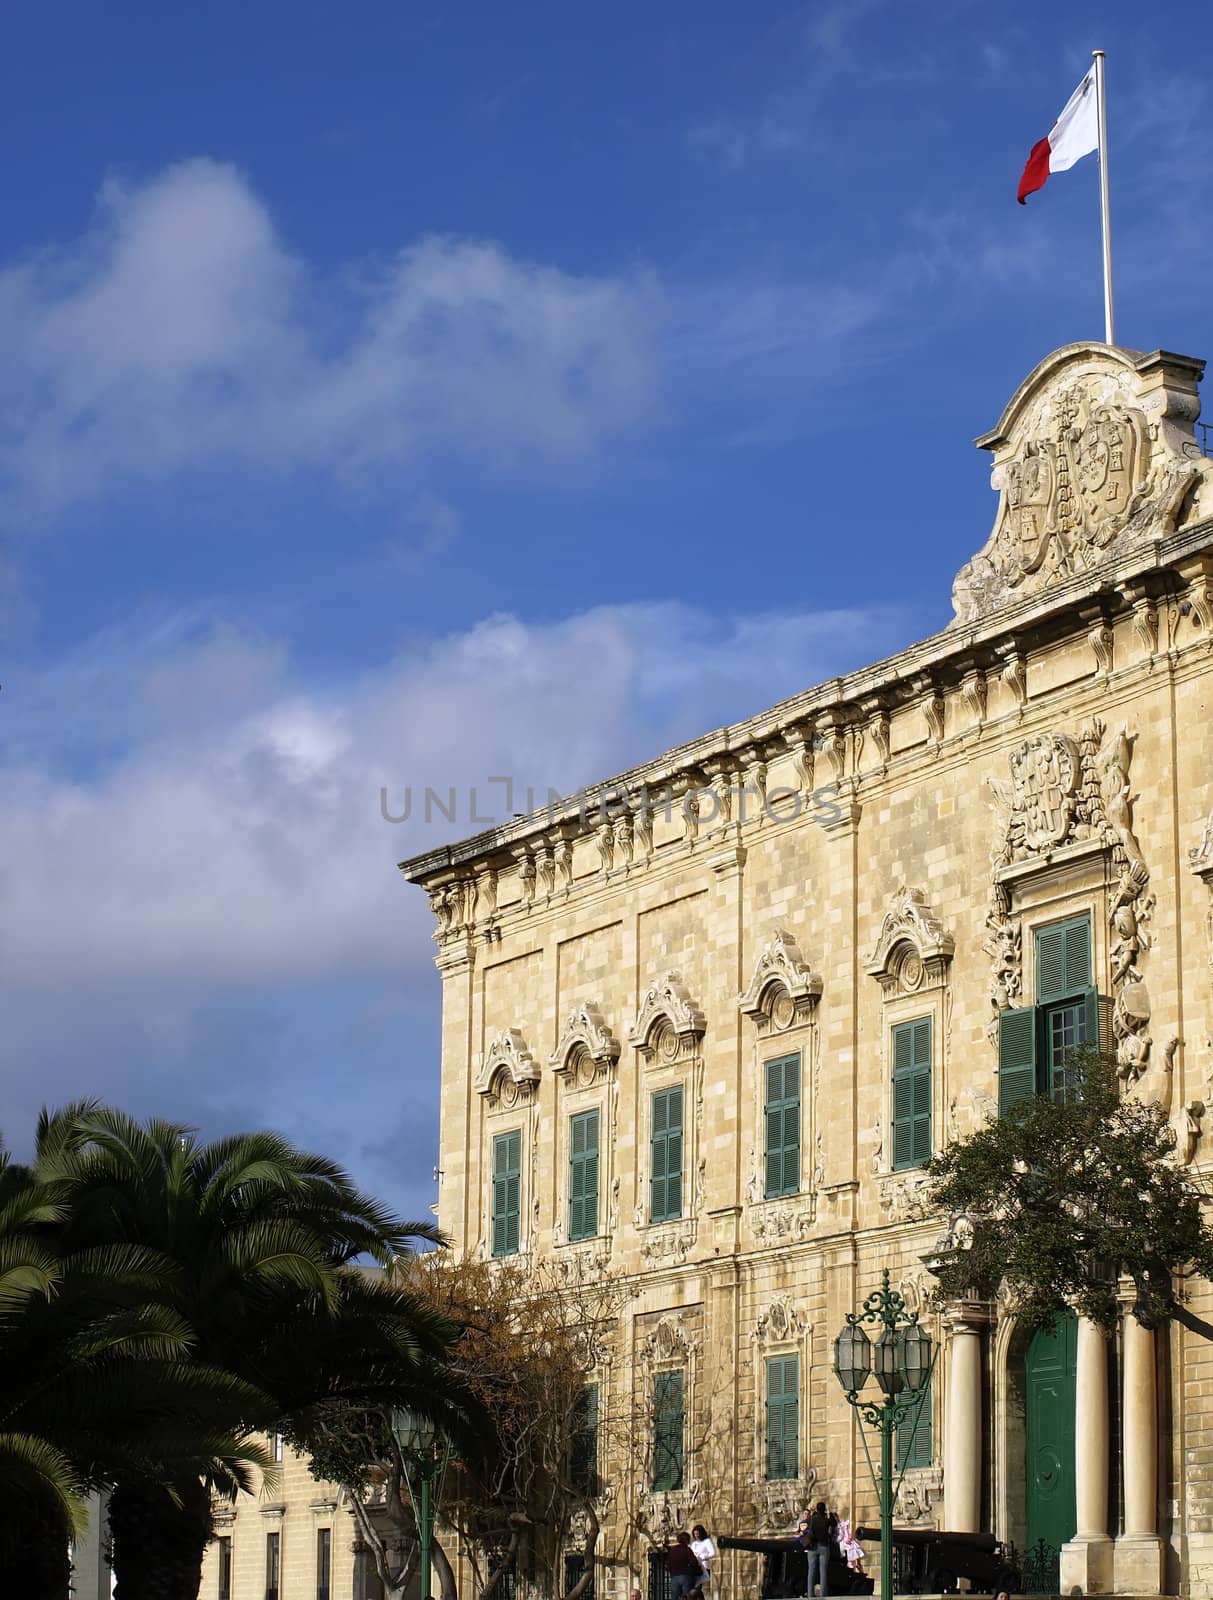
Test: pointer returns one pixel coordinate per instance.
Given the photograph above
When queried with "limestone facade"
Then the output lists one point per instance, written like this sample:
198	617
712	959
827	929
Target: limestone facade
884	850
858	884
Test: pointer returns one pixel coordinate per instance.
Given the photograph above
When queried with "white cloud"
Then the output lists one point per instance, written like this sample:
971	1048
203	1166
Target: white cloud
249	847
180	331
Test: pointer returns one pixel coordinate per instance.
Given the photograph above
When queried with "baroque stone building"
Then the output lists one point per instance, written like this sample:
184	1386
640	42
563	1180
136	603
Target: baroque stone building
703	1024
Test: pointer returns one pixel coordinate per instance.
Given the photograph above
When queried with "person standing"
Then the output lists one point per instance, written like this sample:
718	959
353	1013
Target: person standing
704	1552
683	1567
813	1531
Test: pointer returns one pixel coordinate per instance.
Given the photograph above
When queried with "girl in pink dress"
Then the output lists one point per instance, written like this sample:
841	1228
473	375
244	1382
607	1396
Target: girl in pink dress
849	1546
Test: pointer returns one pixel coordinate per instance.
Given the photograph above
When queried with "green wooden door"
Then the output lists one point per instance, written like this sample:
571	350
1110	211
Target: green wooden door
1050	1369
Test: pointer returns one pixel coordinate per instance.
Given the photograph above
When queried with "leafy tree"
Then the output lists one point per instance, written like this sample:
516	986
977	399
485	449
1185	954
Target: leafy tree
258	1246
1062	1198
530	1339
95	1378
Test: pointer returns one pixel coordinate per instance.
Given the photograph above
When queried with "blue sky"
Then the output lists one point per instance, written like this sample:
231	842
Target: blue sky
412	393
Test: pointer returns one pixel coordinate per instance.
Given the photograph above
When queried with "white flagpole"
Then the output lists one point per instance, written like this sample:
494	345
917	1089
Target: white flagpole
1101	111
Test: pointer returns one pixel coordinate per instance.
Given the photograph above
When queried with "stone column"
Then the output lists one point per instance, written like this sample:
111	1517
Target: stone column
1086	1561
1138	1562
963	1419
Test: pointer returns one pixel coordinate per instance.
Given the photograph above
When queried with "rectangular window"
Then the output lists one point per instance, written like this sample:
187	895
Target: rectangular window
507	1192
912	1093
583	1175
273	1565
583	1457
276	1447
782	1126
783	1417
669	1420
225	1568
574	1566
324	1563
1036	1044
914	1434
665	1182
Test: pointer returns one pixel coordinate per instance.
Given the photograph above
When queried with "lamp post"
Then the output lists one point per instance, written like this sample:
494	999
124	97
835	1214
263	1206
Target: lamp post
901	1360
424	1455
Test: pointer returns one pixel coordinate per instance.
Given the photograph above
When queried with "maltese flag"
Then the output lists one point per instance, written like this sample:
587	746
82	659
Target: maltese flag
1074	135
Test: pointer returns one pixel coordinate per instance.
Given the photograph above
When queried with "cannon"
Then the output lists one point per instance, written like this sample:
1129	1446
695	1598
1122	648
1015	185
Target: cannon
785	1568
927	1561
931	1560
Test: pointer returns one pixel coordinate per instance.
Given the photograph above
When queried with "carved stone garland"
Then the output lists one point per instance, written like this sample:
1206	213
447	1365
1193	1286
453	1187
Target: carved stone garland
1064	791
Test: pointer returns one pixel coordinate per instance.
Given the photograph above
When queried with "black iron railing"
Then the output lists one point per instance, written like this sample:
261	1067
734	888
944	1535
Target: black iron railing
1042	1569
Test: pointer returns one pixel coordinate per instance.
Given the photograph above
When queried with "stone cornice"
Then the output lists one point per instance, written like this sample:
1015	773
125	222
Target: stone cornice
1180	565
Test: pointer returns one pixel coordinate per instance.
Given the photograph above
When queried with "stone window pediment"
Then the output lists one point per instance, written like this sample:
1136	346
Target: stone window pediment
586	1047
783	988
507	1066
913	949
668	1024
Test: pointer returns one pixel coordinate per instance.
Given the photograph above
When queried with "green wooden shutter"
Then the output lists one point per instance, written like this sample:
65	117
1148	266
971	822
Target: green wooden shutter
669	1401
912	1093
665	1180
1063	960
1016	1058
783	1417
583	1175
914	1434
507	1192
782	1126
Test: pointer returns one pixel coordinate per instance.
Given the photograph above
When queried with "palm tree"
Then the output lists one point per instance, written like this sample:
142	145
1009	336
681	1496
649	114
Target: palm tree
95	1377
264	1243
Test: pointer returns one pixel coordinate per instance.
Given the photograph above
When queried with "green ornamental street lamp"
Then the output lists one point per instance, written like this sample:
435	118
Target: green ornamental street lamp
901	1359
425	1456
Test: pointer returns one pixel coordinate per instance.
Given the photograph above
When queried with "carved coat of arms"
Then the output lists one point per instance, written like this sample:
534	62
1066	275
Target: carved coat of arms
1045	776
1092	454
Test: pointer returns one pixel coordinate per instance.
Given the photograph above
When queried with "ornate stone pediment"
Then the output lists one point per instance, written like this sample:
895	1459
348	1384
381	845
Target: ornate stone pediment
668	1022
782	988
507	1061
585	1039
913	947
1095	453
